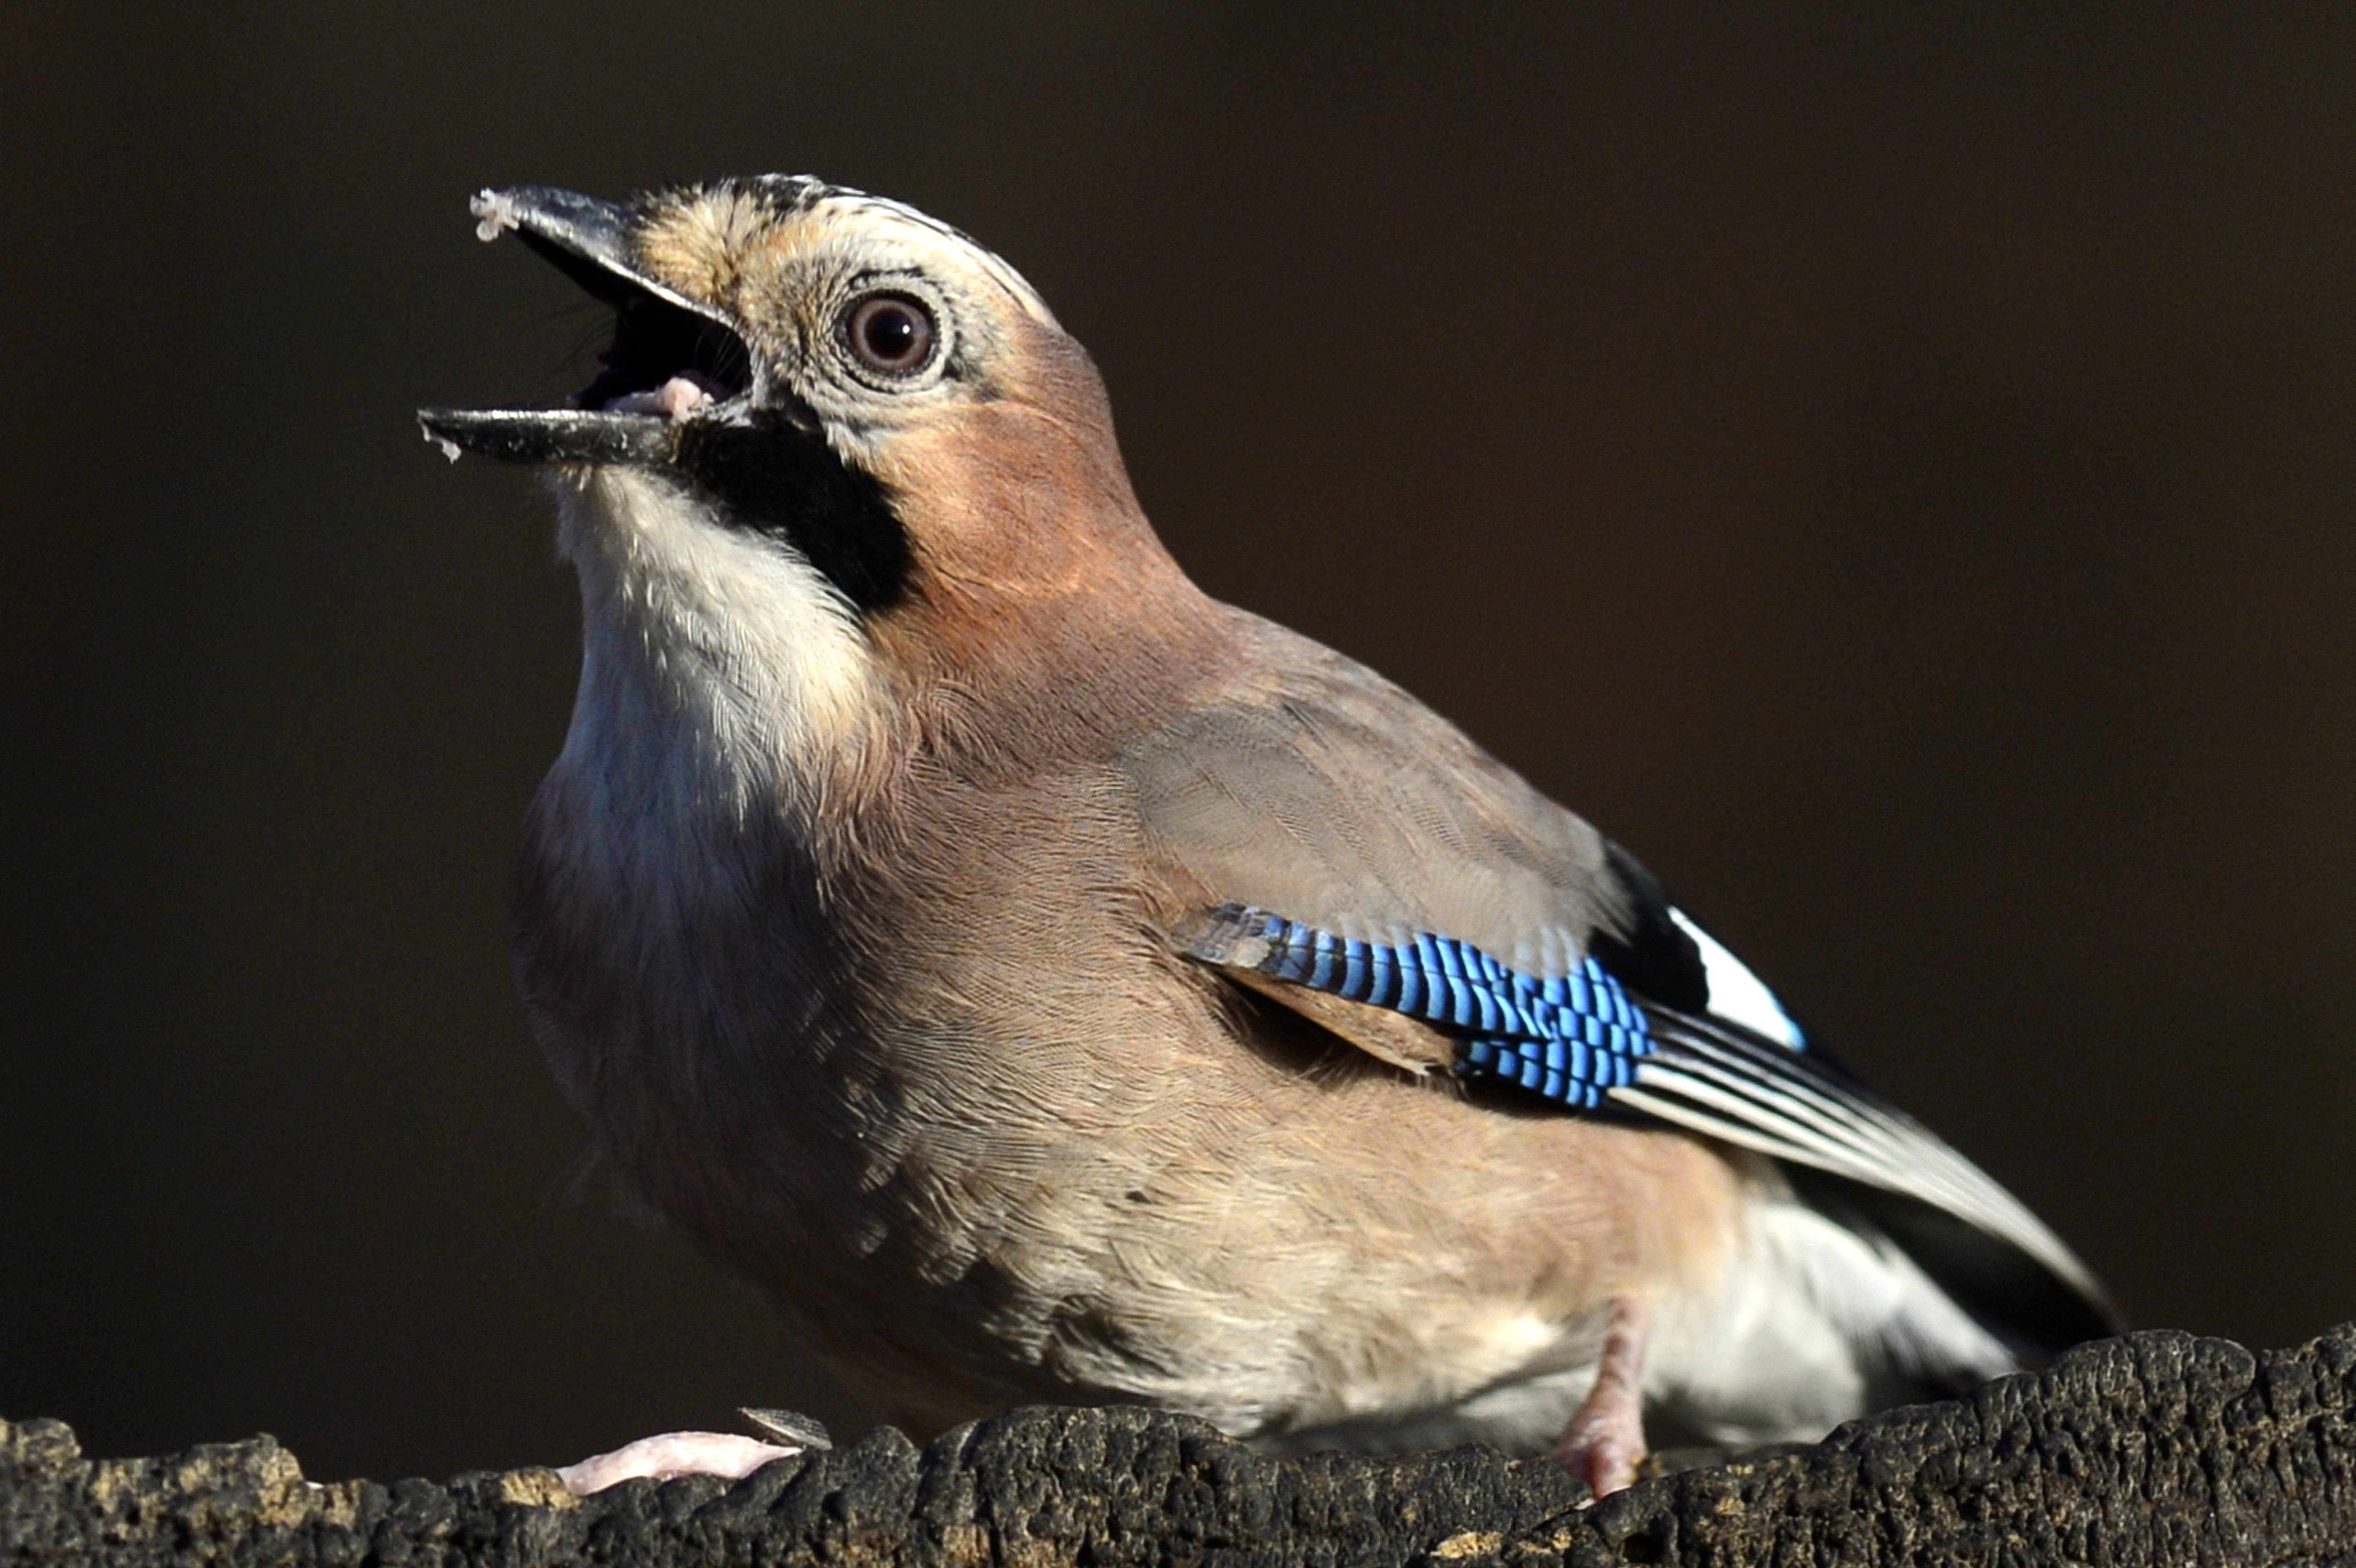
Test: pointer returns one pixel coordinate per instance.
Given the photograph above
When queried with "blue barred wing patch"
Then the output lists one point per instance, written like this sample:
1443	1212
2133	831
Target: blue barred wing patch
1567	1038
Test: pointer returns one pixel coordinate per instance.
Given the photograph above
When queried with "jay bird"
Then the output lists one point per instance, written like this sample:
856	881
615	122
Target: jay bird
1048	983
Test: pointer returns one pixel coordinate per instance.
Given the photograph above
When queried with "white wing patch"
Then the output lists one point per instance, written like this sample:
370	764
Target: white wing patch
1736	994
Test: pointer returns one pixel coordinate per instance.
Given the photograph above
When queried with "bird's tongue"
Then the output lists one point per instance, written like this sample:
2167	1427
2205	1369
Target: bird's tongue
675	399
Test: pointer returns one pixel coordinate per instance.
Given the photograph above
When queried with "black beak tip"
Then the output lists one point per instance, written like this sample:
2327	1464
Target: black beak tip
562	220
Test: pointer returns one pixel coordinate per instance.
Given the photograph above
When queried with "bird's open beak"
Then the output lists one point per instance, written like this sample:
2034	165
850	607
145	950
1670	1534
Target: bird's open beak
674	359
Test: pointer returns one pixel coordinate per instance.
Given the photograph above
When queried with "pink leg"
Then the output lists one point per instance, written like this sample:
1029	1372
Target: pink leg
1605	1439
671	1455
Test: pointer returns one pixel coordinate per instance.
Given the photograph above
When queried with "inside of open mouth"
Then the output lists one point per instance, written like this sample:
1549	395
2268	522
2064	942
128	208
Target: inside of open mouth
667	362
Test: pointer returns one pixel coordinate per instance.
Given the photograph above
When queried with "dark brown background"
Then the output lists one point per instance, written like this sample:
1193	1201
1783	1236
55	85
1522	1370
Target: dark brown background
1889	465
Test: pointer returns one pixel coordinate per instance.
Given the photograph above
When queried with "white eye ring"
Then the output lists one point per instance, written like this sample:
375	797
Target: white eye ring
890	334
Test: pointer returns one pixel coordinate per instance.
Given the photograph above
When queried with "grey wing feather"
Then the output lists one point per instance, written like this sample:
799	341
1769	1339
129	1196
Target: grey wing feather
1326	792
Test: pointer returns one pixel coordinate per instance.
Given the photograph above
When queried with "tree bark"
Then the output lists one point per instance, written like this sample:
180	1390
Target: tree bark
2156	1449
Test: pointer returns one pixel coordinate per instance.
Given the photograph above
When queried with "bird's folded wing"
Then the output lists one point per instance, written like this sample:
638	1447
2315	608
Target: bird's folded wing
1338	846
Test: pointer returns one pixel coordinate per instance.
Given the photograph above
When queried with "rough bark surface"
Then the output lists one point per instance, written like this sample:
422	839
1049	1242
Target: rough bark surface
2155	1448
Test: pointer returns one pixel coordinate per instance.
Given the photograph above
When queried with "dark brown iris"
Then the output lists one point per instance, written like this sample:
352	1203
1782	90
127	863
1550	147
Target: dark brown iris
890	334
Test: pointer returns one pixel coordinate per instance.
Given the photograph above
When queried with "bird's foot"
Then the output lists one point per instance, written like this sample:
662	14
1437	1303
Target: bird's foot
676	1453
1605	1440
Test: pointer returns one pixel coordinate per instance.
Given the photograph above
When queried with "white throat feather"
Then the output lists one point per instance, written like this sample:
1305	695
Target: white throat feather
720	672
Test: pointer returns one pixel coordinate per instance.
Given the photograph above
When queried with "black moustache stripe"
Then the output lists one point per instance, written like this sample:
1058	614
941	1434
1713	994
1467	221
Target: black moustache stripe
772	478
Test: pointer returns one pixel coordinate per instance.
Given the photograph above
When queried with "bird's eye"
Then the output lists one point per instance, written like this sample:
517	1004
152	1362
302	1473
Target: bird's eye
890	334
